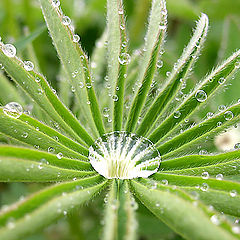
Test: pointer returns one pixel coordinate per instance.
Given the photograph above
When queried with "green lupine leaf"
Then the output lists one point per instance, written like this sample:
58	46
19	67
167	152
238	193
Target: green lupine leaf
38	88
227	169
157	19
141	96
64	87
111	225
32	202
127	217
165	205
19	170
221	201
148	75
120	220
123	59
26	133
50	211
195	161
202	130
77	69
177	77
200	95
43	157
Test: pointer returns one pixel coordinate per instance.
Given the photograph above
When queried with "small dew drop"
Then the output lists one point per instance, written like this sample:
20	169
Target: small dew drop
215	219
177	114
205	175
66	20
210	115
13	110
201	96
76	38
120	11
115	98
168	74
25	135
55	3
9	50
159	63
219	176
221	80
204	187
164	182
124	59
233	193
162	27
28	65
51	150
237	146
59	155
228	115
221	108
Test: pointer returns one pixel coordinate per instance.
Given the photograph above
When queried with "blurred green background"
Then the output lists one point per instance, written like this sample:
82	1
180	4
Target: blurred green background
22	23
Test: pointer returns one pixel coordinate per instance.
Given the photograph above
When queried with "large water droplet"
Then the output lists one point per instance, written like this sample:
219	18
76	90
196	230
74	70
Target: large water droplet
201	96
13	110
124	156
9	50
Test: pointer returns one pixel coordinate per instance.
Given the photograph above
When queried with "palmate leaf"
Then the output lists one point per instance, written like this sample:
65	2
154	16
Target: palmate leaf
164	202
208	189
195	161
47	206
224	72
76	68
203	130
177	192
146	78
27	165
177	77
38	88
40	136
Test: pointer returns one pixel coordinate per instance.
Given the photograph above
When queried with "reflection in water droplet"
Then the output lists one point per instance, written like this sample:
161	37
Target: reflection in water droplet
124	156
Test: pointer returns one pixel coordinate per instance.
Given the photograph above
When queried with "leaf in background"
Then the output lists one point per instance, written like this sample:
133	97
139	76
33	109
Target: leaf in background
22	43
